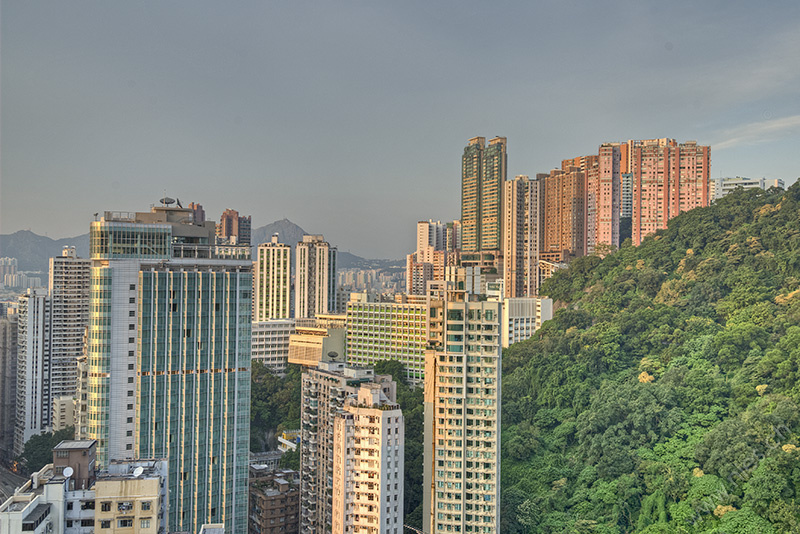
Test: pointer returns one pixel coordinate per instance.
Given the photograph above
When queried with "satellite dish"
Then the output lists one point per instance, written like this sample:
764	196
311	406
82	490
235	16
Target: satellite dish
138	471
68	471
167	201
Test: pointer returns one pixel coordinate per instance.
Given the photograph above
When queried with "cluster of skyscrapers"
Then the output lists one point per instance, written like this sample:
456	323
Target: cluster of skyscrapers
147	345
521	230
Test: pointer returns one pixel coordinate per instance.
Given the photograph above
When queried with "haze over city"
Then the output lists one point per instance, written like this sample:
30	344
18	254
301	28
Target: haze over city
350	119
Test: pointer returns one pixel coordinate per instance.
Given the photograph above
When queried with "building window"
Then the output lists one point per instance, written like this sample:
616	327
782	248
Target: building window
105	506
144	523
124	523
105	523
146	505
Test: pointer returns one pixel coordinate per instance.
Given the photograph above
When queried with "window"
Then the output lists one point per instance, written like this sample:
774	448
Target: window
146	505
106	523
105	506
124	523
144	523
133	287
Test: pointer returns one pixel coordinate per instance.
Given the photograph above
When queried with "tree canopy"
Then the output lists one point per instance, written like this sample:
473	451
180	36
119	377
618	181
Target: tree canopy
663	395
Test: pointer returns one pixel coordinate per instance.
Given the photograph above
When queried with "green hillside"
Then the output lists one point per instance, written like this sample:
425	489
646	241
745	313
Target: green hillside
663	396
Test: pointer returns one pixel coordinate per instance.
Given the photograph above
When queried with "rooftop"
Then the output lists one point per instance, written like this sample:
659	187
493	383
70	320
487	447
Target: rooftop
75	444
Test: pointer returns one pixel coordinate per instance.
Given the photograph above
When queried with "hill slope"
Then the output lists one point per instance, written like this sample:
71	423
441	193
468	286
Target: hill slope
33	251
664	397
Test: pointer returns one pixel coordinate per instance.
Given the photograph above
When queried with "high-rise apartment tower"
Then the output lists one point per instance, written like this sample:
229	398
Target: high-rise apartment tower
315	277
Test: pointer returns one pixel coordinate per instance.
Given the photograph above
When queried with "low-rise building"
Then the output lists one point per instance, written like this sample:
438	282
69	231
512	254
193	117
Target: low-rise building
274	501
69	497
270	343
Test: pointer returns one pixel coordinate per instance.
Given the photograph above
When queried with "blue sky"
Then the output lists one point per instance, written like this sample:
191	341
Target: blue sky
349	118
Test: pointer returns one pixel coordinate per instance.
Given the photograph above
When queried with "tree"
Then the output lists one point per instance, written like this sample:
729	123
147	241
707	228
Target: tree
38	450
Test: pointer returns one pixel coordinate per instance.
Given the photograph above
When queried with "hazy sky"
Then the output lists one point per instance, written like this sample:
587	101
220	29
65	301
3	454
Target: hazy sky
349	118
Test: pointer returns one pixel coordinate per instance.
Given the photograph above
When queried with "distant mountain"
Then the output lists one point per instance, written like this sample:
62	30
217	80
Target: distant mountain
288	232
33	251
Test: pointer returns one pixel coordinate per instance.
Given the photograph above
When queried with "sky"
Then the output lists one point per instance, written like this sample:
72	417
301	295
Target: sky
350	118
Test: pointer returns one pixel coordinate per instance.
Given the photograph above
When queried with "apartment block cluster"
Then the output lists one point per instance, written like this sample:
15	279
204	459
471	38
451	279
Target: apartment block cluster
521	230
12	278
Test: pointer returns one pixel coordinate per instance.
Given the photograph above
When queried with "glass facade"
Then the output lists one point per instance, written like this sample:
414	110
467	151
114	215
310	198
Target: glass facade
110	240
193	405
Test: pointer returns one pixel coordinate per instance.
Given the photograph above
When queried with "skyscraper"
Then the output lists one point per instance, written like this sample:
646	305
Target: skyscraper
231	228
368	462
8	384
462	420
69	293
668	179
34	399
273	285
169	358
315	277
522	236
483	171
603	199
564	208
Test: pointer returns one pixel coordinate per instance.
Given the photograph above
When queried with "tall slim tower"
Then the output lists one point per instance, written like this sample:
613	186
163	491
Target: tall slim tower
604	198
521	236
483	171
273	281
315	277
368	462
493	175
471	173
8	384
169	358
462	420
69	292
564	208
34	399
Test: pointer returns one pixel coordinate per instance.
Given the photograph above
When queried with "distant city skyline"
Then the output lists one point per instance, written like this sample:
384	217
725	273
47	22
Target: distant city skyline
350	120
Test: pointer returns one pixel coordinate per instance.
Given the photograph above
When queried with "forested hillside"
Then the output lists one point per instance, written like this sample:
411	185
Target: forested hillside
663	397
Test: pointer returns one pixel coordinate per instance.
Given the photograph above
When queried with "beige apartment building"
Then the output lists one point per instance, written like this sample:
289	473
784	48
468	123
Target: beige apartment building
272	297
368	462
462	420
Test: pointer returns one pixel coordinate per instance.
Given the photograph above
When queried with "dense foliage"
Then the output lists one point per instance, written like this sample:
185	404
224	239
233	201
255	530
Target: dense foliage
38	450
274	405
663	396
